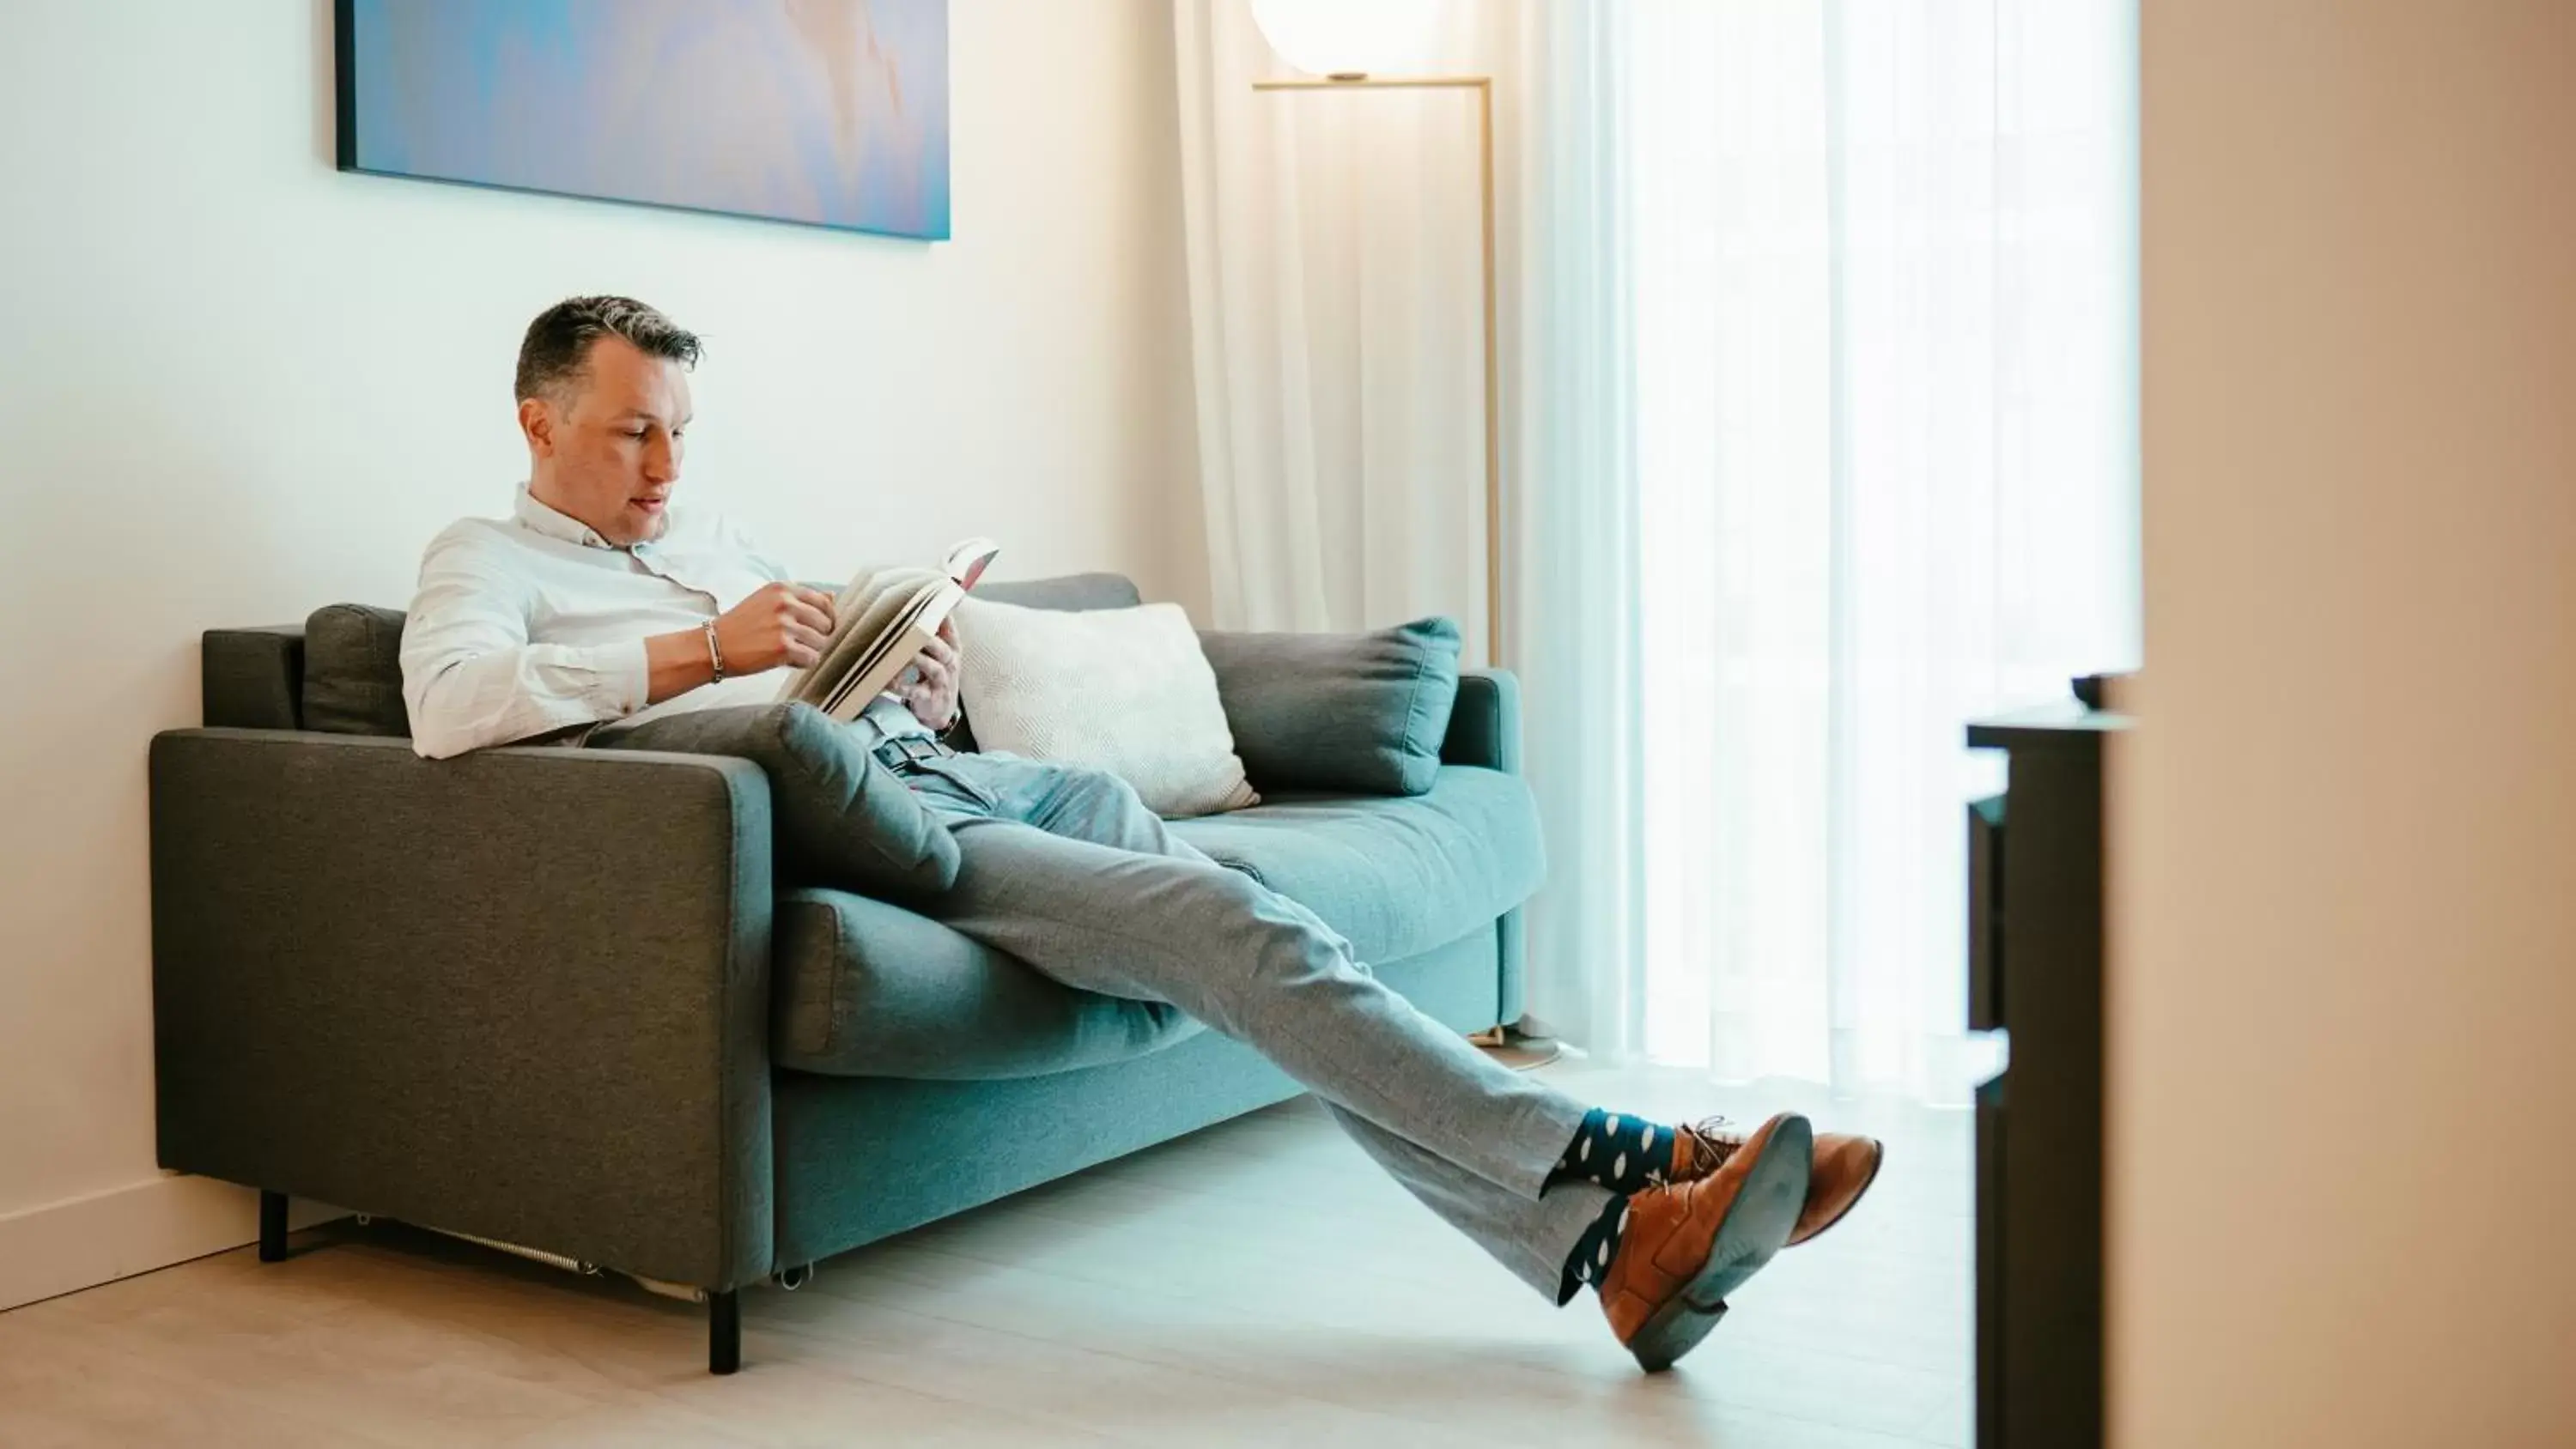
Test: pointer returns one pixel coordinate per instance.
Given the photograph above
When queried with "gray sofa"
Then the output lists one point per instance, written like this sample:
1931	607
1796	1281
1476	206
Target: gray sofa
555	997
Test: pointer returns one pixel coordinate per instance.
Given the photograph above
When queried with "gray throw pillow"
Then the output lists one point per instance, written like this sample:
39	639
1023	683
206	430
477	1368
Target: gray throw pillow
1353	712
842	818
353	671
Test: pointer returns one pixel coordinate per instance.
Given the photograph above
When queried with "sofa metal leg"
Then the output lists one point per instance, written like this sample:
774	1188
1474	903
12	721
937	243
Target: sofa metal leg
272	1227
724	1332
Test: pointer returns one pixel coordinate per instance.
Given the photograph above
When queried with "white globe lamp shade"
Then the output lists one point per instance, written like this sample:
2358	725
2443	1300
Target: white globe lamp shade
1347	38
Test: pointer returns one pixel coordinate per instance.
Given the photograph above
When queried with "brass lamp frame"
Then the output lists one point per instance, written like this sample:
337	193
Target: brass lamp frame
1483	86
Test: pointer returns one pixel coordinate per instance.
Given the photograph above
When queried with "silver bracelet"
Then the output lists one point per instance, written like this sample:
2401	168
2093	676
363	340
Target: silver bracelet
714	656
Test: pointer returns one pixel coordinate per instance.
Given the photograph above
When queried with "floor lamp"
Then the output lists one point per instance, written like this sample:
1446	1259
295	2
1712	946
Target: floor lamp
1506	1043
1483	86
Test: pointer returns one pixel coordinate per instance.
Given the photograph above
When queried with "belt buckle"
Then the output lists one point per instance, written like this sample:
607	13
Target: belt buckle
909	749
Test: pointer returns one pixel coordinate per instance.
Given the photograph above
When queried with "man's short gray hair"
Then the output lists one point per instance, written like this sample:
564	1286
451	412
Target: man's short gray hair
556	352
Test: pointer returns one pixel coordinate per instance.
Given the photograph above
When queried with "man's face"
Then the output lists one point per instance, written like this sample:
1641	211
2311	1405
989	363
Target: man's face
608	450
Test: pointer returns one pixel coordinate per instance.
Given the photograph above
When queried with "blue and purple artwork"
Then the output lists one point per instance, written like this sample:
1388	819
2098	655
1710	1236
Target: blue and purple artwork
829	112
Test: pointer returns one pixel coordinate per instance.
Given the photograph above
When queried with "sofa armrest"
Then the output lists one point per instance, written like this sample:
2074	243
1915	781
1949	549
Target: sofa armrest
1485	723
521	994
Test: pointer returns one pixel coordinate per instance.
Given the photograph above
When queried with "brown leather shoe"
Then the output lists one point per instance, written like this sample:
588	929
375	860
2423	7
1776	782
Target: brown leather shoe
1687	1245
1845	1167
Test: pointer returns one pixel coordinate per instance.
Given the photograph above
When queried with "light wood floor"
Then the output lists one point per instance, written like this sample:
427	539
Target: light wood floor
1258	1283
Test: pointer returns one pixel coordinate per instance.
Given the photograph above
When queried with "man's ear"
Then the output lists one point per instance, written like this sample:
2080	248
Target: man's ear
537	421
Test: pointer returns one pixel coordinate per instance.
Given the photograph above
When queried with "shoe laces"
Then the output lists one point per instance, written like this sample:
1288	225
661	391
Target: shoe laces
1707	1144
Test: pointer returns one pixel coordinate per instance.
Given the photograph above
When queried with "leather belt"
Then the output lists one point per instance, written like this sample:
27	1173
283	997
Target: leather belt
903	750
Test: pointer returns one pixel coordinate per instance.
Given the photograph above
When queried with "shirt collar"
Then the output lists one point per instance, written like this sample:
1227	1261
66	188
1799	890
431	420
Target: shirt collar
560	526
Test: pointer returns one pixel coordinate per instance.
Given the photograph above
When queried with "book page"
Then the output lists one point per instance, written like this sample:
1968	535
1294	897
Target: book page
876	617
967	561
861	618
898	646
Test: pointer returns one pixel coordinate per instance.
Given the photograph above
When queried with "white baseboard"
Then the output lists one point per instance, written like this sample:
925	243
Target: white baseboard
82	1242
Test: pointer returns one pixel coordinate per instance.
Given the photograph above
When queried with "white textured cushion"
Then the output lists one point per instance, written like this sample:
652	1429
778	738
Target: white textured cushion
1123	690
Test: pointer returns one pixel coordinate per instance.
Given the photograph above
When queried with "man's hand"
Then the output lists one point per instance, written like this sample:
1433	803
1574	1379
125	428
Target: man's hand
781	624
929	687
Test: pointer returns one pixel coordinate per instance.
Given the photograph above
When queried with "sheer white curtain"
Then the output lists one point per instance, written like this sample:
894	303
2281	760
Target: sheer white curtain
1820	384
1857	413
1336	313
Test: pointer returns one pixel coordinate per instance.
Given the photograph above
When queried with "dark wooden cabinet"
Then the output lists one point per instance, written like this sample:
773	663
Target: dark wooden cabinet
2035	973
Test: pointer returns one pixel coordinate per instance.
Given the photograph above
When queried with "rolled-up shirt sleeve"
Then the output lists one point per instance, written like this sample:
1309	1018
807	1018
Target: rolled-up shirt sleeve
472	679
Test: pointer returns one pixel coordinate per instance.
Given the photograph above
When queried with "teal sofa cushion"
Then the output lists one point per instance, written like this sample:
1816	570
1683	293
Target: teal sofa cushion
1350	713
353	671
1396	874
864	987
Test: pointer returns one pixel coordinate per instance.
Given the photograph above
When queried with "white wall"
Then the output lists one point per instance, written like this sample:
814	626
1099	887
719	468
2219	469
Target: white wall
235	385
2344	988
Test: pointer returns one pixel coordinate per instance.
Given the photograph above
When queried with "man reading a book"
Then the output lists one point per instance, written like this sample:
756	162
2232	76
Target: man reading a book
601	599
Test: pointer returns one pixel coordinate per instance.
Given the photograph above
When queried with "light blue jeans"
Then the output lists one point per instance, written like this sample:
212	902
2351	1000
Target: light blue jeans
1067	870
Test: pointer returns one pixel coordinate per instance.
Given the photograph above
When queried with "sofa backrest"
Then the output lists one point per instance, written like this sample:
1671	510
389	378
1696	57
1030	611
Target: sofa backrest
253	678
341	669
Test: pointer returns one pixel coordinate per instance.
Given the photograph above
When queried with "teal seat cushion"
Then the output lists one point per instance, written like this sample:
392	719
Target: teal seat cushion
866	988
1396	874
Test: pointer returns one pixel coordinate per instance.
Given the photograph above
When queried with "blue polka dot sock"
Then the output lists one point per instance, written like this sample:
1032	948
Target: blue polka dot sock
1593	1251
1623	1154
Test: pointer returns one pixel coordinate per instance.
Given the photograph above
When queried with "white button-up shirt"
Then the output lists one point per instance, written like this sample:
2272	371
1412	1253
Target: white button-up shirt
534	623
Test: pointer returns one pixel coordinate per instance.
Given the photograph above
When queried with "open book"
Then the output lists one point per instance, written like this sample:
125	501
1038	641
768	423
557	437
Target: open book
880	624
